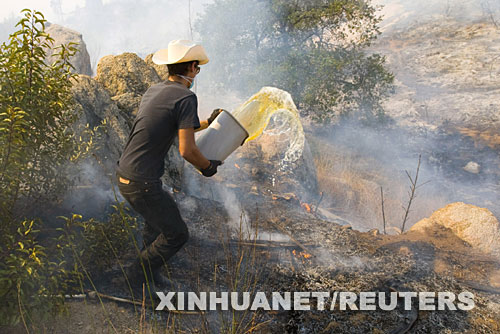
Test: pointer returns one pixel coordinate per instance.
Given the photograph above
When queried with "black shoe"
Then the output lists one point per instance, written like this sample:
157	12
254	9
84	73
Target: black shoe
162	282
153	277
135	275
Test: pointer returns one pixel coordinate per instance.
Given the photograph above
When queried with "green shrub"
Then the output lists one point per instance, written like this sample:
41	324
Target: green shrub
36	142
29	280
98	245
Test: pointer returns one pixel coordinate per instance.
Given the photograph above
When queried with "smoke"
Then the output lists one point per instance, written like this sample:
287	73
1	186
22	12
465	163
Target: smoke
238	217
335	258
209	100
232	197
381	158
92	192
401	13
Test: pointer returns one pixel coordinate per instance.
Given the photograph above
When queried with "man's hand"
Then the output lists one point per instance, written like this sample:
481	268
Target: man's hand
214	114
211	169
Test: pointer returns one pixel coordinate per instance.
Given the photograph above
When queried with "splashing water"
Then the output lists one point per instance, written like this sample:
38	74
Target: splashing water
254	115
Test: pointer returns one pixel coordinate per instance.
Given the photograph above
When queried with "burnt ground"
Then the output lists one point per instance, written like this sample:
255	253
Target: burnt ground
309	251
342	260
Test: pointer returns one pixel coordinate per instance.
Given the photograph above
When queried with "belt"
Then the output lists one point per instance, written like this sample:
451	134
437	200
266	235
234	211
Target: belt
123	180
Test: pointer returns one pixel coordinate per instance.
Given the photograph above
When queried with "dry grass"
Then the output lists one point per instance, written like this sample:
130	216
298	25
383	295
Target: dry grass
351	186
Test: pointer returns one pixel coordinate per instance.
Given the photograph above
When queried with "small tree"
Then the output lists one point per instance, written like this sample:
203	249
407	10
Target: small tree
36	141
312	49
35	136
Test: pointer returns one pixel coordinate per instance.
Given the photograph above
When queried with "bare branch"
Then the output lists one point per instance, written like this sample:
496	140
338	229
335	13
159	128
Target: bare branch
412	193
383	211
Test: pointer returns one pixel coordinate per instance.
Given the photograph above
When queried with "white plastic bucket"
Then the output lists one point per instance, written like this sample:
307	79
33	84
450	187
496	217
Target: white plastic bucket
222	137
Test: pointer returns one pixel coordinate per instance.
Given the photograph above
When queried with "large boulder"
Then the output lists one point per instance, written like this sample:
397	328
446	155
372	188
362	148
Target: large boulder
95	106
161	70
63	35
476	226
126	77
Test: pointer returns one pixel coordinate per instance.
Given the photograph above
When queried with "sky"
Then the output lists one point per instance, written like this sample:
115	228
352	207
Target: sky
13	7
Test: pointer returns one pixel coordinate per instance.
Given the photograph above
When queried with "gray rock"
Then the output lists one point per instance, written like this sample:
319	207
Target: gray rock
95	105
63	35
161	70
126	77
472	167
128	104
125	73
299	177
174	167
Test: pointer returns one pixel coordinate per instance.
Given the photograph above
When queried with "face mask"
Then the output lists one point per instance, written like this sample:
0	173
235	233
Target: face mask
191	80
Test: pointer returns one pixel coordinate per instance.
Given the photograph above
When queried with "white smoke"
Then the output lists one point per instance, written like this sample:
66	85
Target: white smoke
399	13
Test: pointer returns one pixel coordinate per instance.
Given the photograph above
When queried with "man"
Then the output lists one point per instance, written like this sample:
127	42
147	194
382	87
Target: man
167	110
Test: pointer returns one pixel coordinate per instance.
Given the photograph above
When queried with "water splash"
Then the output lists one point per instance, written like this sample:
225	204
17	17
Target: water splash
270	102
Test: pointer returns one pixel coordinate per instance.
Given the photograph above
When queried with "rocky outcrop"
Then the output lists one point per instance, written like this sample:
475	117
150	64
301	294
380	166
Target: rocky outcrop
126	77
63	35
95	106
476	226
161	70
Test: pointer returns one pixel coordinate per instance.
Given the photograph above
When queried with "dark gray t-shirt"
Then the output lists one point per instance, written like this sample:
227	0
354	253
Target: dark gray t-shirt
165	108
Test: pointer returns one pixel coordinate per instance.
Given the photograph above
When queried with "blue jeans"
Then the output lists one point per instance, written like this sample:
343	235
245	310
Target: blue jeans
165	232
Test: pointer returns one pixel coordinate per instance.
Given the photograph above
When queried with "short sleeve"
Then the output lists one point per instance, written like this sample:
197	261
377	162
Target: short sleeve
188	113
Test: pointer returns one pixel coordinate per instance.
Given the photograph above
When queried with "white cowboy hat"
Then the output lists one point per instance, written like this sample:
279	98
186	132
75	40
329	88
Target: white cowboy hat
180	51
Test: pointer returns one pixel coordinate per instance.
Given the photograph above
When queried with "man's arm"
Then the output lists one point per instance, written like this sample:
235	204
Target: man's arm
213	116
189	150
203	126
